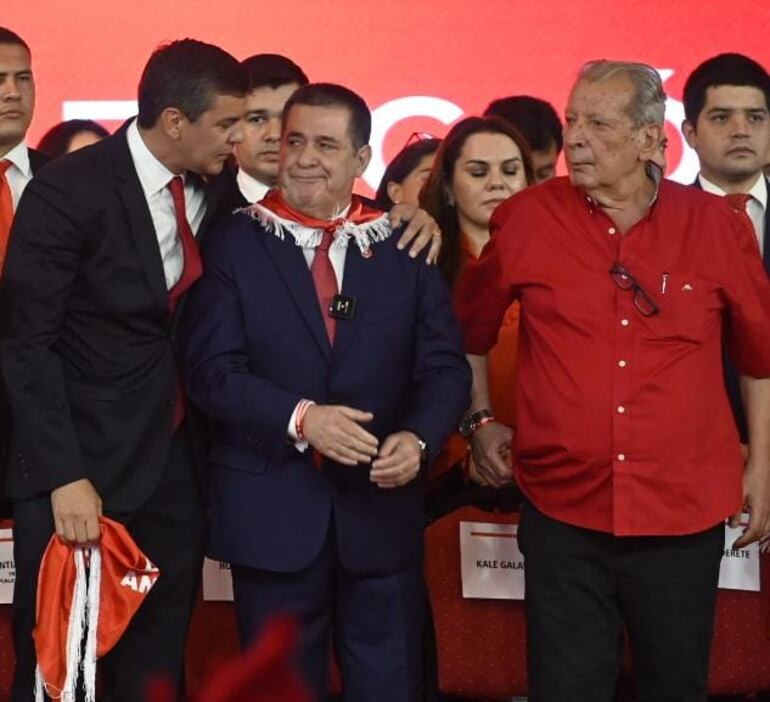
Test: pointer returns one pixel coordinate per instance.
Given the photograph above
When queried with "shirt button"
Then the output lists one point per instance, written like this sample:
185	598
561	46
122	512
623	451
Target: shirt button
624	322
611	230
621	409
622	364
621	456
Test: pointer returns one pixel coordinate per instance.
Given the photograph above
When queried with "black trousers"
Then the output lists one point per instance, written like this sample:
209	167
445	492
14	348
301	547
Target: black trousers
583	587
169	529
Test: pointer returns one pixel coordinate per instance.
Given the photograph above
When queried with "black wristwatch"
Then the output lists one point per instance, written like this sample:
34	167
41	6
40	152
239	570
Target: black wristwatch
473	421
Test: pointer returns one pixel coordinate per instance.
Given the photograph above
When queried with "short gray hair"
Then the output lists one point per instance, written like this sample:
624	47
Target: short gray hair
648	105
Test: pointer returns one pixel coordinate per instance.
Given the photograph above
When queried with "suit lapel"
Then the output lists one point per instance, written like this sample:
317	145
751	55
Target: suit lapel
356	283
293	268
222	198
138	218
36	160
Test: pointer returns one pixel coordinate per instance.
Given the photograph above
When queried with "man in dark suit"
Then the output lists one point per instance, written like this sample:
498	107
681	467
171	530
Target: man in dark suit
332	367
18	163
102	250
727	123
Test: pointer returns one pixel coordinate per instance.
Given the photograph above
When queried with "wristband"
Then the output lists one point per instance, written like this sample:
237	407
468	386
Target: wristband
299	418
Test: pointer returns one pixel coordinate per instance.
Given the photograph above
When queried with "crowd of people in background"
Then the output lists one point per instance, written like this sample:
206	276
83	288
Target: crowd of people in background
208	337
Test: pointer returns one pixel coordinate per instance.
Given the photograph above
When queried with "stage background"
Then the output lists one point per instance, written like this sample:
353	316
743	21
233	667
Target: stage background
420	64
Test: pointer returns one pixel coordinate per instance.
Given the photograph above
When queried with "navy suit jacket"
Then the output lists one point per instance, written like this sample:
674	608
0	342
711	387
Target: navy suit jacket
732	377
254	344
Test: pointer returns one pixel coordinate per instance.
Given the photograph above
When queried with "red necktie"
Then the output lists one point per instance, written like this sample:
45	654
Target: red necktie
738	201
192	268
6	209
324	279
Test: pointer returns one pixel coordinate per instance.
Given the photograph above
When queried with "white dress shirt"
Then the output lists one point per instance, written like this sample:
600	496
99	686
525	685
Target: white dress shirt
154	178
20	172
251	188
756	207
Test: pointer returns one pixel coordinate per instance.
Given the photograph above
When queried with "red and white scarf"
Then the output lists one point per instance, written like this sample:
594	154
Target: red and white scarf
365	225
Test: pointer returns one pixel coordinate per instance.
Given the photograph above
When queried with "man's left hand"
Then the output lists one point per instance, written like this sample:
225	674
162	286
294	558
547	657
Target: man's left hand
756	500
421	230
398	462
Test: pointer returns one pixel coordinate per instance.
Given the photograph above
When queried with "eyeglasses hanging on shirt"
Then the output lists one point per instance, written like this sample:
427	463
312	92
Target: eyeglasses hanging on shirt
643	301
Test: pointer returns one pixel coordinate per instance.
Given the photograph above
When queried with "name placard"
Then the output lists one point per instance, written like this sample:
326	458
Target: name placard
739	569
217	581
491	563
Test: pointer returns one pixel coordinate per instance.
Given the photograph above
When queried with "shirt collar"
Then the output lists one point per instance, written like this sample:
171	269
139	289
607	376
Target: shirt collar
653	172
758	191
153	175
251	188
19	157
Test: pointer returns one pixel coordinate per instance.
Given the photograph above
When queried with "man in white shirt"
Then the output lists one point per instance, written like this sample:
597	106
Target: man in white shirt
272	79
102	250
727	123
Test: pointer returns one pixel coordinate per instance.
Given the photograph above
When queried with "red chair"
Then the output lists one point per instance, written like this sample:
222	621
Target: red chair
481	644
740	656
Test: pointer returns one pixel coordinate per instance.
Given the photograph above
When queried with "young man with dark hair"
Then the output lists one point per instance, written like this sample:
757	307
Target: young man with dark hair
539	124
17	104
332	368
102	251
727	123
272	80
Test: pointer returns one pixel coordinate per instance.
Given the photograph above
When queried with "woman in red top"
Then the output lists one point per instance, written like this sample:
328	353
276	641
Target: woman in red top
480	163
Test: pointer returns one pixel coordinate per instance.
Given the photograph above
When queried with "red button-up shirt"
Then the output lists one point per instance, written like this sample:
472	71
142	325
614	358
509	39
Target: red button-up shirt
623	420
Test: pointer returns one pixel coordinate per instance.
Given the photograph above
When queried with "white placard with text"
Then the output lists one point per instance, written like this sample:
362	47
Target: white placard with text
7	566
739	569
217	581
492	565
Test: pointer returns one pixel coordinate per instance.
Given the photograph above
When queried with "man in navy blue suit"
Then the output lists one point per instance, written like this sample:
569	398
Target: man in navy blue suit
333	369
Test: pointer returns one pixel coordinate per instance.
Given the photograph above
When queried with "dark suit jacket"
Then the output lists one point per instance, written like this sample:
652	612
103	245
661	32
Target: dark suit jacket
36	161
732	377
254	344
87	350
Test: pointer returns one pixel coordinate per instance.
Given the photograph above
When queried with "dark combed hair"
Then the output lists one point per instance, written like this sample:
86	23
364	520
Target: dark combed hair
332	95
724	69
434	197
8	36
188	75
403	163
534	118
272	71
56	140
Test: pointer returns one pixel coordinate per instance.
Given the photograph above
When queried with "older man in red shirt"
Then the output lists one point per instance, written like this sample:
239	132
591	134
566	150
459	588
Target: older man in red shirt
625	446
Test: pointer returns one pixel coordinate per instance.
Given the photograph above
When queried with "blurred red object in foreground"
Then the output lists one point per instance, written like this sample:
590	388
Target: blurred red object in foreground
264	673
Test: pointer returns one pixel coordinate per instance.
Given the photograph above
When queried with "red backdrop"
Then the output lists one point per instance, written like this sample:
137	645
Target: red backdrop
452	56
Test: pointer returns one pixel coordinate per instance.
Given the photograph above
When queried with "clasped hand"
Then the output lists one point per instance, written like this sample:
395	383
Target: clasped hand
335	431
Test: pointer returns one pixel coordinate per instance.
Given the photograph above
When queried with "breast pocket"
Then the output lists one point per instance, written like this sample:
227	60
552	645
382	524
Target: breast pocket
687	307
